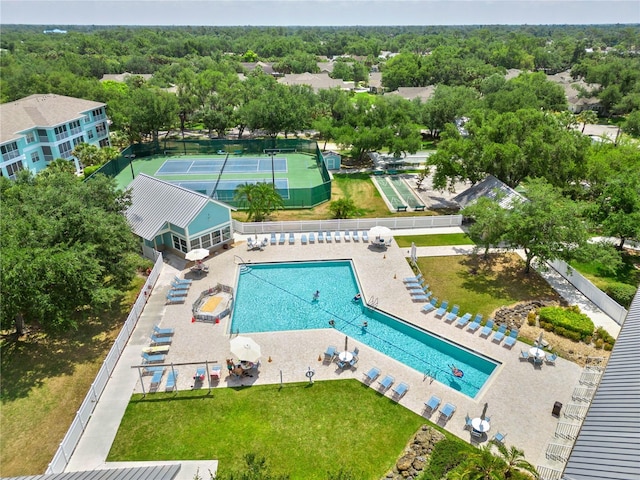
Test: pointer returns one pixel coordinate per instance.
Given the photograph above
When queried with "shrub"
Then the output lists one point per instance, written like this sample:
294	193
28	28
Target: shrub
90	169
531	318
608	347
622	293
546	326
599	343
569	319
605	336
446	455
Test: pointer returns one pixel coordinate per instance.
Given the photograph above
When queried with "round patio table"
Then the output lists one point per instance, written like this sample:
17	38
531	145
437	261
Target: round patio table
536	352
480	425
345	356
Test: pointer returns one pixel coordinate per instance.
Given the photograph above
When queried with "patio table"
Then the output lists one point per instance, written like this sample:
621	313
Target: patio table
537	353
480	425
345	356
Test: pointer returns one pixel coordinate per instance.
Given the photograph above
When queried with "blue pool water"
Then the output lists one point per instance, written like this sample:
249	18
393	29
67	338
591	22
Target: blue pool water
280	296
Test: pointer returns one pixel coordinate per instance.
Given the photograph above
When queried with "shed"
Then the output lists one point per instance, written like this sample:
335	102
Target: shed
332	160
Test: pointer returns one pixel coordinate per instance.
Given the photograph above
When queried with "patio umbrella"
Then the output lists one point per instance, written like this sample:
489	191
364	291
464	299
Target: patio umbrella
346	343
245	348
379	231
197	254
484	410
539	341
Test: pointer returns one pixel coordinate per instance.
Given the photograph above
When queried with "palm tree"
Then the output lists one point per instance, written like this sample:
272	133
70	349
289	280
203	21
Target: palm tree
514	459
262	199
587	117
481	465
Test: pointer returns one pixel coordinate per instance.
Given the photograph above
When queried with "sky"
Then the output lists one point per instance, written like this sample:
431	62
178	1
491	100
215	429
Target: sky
54	13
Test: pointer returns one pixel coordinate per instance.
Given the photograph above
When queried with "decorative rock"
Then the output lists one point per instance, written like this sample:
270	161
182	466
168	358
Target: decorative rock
415	456
404	463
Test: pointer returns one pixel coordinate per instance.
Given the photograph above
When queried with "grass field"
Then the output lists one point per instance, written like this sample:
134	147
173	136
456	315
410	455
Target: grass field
441	239
303	430
482	287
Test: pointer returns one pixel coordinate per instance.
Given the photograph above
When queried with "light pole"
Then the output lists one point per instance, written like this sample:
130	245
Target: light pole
273	172
131	157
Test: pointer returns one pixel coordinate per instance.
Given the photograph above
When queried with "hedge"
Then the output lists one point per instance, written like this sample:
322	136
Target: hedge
568	322
621	293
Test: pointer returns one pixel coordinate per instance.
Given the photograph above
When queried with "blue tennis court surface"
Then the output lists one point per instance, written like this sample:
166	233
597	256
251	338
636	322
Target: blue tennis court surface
214	166
227	188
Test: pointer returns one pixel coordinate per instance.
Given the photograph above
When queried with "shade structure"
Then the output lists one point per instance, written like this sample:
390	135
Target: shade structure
539	341
379	231
484	411
245	348
197	254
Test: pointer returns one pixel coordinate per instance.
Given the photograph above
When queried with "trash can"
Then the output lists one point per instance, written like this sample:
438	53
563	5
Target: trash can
556	409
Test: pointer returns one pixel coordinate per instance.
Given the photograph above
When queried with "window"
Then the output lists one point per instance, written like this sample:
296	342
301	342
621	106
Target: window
104	142
195	243
48	156
35	157
9	151
78	140
75	127
42	135
179	243
226	233
206	240
61	132
215	236
30	137
97	114
101	129
14	168
90	133
65	149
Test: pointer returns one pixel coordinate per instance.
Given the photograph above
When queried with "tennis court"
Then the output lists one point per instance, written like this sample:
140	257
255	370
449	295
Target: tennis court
213	166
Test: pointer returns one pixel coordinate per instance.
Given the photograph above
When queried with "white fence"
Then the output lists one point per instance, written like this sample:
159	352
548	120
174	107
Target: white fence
72	437
348	224
607	304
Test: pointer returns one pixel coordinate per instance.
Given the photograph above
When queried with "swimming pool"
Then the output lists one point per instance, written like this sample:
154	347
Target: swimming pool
280	296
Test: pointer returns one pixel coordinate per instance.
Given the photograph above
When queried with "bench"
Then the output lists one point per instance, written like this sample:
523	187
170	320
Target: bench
418	208
392	172
401	208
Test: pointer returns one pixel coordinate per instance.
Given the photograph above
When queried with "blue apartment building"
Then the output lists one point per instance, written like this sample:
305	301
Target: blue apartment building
43	127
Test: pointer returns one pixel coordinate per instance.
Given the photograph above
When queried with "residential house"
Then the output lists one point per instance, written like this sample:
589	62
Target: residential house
318	81
375	82
266	67
167	217
410	93
42	127
122	77
573	90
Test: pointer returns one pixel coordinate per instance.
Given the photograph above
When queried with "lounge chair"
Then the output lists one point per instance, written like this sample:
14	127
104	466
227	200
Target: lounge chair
160	340
216	372
421	298
312	238
500	333
292	239
448	410
151	370
171	381
417	279
155	380
328	237
475	325
182	281
273	239
320	237
487	329
432	404
400	389
443	308
330	353
162	332
175	298
178	293
201	372
281	239
371	375
180	286
524	355
453	314
303	239
386	382
463	320
355	236
365	237
347	237
499	437
510	341
337	236
551	359
431	306
152	358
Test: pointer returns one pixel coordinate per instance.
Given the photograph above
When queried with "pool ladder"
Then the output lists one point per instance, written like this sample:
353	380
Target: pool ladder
244	268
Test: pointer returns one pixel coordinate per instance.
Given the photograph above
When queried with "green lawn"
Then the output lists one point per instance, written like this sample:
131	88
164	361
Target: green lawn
482	287
305	431
434	240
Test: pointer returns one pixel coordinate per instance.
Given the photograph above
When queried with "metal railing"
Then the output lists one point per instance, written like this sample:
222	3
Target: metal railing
72	437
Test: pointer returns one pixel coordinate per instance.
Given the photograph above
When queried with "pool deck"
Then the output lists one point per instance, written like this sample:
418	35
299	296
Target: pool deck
520	398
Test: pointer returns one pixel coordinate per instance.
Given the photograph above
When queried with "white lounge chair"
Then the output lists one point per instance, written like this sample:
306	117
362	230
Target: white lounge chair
347	237
356	238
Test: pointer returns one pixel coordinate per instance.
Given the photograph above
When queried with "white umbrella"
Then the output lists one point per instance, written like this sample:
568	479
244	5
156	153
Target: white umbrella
245	348
379	231
197	254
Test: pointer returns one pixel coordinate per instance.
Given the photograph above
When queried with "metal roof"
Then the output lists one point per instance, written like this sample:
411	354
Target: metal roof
160	472
490	187
155	202
608	445
40	110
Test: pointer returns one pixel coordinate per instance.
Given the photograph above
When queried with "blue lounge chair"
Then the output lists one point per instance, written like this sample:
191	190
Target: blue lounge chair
312	238
510	341
330	353
200	374
500	333
371	375
216	372
171	381
365	237
524	355
400	390
151	370
273	239
347	237
443	308
431	306
453	314
355	236
161	340
292	239
155	380
320	237
175	298
421	298
463	320
432	404
281	239
337	236
473	326
328	237
386	382
162	332
178	293
303	239
448	410
182	281
417	279
152	358
487	329
180	286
